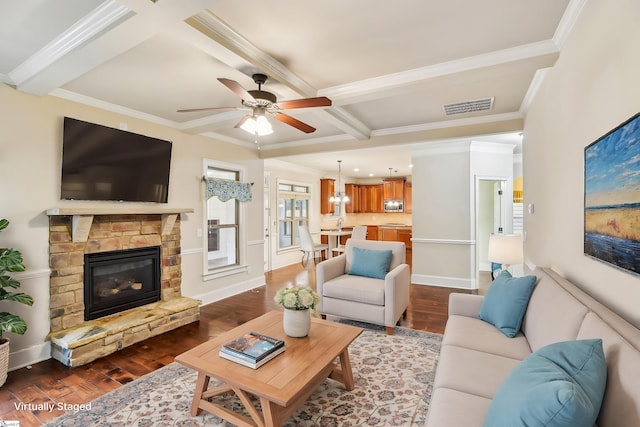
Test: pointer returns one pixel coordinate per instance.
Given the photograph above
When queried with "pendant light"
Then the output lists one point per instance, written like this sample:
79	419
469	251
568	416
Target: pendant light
339	196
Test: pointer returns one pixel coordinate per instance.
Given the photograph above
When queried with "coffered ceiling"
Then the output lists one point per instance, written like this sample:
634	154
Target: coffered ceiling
389	67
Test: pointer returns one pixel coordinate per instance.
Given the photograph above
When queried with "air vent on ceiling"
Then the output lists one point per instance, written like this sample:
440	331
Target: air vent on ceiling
469	106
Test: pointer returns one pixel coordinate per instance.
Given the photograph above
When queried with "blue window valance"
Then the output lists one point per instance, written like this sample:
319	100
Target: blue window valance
225	189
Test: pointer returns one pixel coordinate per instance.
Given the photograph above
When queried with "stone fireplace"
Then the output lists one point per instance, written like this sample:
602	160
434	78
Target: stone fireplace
126	306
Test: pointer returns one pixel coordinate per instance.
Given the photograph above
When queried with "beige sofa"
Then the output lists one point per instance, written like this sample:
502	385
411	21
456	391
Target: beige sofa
377	301
476	357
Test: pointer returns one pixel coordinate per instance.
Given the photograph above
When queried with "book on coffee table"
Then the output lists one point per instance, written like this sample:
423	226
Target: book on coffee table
252	349
245	361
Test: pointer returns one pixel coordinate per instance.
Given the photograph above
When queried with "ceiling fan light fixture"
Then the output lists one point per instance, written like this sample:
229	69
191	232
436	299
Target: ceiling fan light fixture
257	125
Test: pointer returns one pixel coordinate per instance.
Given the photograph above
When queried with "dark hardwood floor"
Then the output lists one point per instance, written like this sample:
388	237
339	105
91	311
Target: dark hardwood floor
28	390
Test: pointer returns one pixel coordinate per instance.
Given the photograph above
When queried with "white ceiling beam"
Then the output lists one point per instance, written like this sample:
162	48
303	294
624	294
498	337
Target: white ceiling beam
214	28
221	33
91	25
390	84
119	26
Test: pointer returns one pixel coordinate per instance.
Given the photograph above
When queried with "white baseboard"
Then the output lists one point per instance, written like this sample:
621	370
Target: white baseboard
29	356
229	291
445	282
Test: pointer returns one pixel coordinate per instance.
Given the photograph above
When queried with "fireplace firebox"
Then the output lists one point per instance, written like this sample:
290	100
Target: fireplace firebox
115	281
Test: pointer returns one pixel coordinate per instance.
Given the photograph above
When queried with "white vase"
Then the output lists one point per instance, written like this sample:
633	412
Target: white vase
296	323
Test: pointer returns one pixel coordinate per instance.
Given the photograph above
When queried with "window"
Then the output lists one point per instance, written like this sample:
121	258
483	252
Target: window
293	209
223	225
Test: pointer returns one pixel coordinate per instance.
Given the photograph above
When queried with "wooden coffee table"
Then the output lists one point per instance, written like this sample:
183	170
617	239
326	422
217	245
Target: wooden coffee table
284	383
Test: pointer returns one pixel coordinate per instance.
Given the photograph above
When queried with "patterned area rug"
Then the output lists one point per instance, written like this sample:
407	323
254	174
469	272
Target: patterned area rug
393	383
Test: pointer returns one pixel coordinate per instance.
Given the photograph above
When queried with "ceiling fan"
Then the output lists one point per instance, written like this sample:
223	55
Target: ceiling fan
260	102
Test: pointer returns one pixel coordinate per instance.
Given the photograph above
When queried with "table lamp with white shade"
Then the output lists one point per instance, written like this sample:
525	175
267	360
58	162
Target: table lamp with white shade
505	249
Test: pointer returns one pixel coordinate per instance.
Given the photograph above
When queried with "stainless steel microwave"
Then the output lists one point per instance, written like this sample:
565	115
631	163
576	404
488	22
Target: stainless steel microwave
394	206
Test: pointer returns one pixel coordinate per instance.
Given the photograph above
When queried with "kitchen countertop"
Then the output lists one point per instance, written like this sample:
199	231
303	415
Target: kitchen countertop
348	228
388	225
395	226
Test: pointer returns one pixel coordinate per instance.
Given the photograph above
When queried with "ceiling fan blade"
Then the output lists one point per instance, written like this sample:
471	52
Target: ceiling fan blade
237	89
321	101
294	122
191	110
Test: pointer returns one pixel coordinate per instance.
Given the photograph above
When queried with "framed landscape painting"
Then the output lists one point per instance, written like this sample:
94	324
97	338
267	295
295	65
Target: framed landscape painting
612	197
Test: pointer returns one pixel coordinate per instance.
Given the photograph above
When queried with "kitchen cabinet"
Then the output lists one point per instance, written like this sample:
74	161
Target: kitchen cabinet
404	235
393	189
389	234
366	198
363	198
374	199
327	188
408	197
353	192
372	232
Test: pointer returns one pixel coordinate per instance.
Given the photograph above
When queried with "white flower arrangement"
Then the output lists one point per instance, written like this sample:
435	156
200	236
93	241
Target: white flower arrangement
297	298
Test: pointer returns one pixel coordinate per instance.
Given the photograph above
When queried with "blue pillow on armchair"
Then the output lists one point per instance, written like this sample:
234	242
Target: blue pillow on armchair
370	263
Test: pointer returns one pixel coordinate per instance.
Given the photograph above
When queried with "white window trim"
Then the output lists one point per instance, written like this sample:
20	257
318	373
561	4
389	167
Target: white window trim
242	266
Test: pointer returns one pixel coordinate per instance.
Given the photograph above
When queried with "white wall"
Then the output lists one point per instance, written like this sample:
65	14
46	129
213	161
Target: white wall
30	167
445	179
593	87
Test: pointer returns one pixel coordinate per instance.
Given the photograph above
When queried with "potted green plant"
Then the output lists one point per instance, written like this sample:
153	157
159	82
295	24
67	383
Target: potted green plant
10	262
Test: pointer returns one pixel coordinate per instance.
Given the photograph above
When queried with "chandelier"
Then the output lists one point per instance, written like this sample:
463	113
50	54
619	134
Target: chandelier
339	196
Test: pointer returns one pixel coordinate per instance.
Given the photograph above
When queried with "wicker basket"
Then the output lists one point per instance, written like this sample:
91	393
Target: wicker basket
4	361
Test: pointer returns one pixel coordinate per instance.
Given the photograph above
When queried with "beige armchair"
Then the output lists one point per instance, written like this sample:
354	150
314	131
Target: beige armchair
380	301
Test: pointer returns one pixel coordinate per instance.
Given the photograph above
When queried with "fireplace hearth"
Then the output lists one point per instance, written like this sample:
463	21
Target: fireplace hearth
115	281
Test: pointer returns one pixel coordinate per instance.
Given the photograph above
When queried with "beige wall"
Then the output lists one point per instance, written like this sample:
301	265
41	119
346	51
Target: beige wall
592	88
441	214
30	165
446	181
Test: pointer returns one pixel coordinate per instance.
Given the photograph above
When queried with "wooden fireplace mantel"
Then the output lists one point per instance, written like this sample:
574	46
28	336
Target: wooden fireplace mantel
83	217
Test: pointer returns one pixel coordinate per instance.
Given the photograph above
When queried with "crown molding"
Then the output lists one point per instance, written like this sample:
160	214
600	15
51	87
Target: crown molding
535	84
568	20
491	147
307	142
447	124
437	148
108	106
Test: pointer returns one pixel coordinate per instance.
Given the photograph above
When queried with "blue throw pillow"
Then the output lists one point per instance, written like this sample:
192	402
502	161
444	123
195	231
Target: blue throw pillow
506	302
370	263
559	385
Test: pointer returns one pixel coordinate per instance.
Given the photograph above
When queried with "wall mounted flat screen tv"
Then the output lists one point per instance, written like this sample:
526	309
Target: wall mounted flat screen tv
103	163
